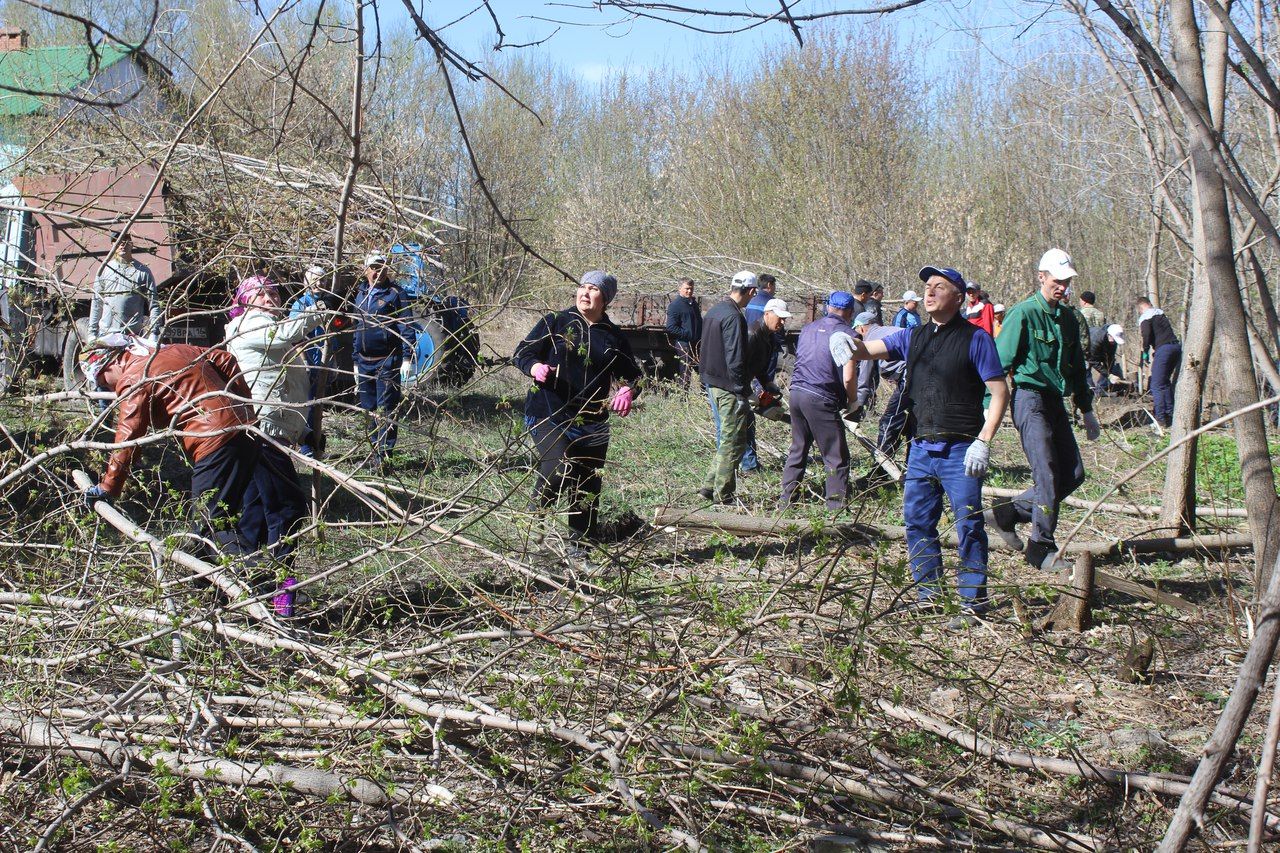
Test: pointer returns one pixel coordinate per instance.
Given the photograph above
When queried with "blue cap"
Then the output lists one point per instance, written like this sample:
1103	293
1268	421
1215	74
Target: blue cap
840	299
948	273
866	318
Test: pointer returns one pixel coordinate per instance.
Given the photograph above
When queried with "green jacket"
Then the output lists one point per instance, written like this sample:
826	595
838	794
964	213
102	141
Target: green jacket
1041	347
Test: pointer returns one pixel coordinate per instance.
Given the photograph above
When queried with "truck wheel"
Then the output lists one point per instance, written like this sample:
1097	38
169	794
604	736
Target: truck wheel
72	376
460	358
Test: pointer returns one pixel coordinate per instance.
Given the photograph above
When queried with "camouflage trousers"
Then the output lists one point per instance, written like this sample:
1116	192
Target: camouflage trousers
736	420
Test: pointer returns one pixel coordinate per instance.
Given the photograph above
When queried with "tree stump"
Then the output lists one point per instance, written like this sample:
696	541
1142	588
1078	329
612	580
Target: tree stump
1074	612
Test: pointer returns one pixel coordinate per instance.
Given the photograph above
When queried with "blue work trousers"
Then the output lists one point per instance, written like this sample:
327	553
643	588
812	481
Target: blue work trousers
1056	467
930	474
1165	362
378	392
274	505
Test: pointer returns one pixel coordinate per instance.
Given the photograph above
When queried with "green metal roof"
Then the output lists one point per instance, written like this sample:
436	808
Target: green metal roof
56	70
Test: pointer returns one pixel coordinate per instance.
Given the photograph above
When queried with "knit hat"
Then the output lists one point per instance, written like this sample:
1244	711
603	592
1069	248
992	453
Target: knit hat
602	281
245	292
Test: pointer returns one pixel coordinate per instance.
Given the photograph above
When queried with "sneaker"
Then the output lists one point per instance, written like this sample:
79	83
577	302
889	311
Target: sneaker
919	607
706	494
999	518
284	600
1045	557
964	620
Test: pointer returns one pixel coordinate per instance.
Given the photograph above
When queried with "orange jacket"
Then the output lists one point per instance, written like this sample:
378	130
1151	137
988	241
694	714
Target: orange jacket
177	386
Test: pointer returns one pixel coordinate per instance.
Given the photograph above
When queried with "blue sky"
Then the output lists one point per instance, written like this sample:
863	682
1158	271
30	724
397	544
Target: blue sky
596	43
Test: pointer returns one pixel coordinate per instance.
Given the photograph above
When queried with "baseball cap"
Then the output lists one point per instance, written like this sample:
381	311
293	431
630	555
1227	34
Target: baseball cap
998	308
374	259
1116	332
1057	263
948	273
744	280
866	318
778	307
840	299
910	296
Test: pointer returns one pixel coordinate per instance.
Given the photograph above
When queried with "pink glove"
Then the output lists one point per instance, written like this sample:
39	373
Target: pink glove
540	372
622	401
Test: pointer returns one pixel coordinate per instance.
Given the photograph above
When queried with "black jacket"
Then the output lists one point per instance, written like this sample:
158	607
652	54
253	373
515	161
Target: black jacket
762	344
584	358
723	358
684	320
1156	330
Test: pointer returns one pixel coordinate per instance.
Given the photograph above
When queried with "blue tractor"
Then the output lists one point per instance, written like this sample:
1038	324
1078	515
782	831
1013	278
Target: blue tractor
447	346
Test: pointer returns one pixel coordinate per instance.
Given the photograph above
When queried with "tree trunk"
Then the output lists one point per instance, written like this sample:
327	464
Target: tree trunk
1231	336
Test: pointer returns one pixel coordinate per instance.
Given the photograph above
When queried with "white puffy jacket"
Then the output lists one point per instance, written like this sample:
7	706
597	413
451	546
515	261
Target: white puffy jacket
269	351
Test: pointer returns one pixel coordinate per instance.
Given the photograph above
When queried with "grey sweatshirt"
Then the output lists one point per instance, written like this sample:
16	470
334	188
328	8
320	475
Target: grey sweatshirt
125	300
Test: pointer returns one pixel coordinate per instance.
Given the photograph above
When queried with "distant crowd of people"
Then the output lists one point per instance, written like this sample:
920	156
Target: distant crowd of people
950	372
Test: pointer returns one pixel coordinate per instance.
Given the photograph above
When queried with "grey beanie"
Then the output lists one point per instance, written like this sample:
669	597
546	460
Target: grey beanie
607	284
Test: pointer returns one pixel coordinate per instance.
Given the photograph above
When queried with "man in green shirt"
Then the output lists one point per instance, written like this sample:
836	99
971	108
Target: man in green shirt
1039	345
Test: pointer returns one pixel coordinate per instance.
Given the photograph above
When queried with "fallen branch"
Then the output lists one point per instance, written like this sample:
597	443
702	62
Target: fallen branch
749	525
39	733
1123	509
1122	779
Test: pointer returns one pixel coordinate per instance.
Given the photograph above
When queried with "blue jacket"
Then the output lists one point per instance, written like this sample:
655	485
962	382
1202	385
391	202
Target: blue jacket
905	319
381	330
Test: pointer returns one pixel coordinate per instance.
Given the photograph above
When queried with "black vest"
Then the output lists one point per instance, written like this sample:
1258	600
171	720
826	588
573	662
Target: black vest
942	384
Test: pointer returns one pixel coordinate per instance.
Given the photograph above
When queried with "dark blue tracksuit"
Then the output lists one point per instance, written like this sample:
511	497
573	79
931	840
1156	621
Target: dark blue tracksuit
382	340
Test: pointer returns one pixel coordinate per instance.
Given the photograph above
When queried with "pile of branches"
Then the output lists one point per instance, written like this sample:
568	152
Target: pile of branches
449	681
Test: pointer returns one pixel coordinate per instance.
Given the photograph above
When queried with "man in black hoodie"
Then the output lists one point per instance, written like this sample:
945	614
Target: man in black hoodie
1166	355
723	365
684	327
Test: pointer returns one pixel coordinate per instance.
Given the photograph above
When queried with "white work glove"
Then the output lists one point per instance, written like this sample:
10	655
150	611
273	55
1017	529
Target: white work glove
406	368
1092	429
842	348
977	459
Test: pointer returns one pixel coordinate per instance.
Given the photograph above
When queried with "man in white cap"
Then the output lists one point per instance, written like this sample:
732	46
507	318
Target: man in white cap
762	353
722	363
907	318
1101	357
383	339
1039	346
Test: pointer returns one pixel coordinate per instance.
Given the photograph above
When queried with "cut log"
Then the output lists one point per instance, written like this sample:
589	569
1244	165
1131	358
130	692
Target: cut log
1074	612
1123	509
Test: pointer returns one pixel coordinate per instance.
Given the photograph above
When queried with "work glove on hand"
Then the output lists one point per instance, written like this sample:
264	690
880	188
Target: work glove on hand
856	413
621	403
842	348
93	494
406	369
540	372
1092	429
977	459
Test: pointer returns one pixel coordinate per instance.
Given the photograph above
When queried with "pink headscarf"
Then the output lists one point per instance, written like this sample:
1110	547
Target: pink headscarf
245	292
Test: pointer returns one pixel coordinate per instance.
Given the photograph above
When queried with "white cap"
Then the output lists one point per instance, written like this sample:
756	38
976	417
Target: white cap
1116	332
910	296
313	276
744	280
778	307
373	259
1057	263
998	308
